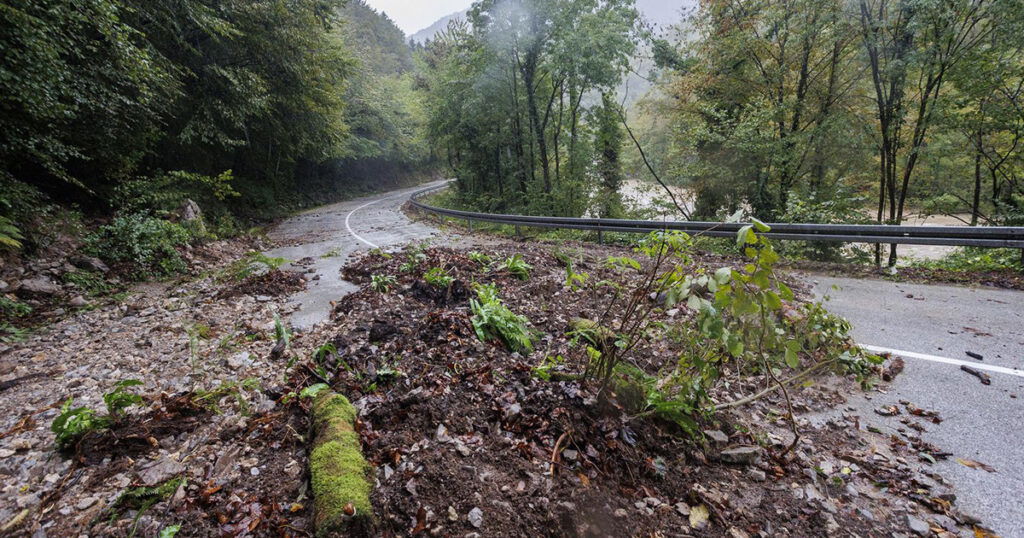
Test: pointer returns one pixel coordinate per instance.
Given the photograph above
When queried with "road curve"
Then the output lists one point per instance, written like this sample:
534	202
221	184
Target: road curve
331	234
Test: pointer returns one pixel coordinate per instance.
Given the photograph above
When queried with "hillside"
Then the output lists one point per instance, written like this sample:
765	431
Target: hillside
658	12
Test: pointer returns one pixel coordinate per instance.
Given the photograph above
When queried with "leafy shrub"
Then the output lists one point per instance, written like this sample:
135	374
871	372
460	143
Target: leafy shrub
439	278
382	283
12	308
119	399
146	243
253	263
74	422
493	321
976	259
90	282
516	267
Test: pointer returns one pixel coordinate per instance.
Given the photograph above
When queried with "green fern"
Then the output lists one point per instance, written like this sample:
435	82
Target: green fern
493	321
10	235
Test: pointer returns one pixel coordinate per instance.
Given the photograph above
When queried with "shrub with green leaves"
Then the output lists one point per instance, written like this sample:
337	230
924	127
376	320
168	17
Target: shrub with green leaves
74	422
145	243
253	263
493	321
90	282
439	278
516	266
382	283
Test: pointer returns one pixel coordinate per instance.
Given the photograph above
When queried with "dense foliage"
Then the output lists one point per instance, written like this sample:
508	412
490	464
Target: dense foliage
248	108
509	95
845	109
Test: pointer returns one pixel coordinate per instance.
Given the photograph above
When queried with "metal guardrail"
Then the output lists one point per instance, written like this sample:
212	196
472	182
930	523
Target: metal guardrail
957	236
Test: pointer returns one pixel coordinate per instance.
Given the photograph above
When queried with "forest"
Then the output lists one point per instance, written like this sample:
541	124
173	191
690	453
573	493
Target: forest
794	111
250	109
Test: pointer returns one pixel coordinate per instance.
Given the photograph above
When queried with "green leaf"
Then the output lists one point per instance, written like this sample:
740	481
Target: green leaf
169	531
313	390
723	275
760	226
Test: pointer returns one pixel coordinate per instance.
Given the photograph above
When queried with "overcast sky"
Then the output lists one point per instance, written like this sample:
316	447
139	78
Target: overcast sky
414	15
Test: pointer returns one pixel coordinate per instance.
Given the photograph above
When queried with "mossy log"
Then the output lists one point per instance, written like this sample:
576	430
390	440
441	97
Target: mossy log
339	474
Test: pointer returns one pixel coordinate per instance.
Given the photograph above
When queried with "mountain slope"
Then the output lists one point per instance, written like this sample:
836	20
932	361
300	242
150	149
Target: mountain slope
661	13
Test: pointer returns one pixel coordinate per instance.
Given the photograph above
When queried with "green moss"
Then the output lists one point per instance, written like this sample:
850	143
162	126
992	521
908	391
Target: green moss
340	474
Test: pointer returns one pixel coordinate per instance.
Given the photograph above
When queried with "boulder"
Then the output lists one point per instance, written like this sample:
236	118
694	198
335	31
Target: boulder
192	216
38	286
89	263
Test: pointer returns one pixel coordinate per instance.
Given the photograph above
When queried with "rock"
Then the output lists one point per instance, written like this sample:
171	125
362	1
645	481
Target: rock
78	301
161	472
736	532
90	263
831	526
453	515
743	455
476	517
621	513
3	286
683	509
41	286
717	437
757	475
919	527
240	360
86	503
192	214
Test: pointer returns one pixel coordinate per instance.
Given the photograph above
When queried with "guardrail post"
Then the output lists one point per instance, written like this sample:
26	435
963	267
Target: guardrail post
469	224
519	232
600	237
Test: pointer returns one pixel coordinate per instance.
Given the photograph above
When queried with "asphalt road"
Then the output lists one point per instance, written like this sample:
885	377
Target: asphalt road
983	423
331	234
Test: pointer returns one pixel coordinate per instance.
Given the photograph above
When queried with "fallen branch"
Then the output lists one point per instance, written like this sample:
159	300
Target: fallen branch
982	376
773	388
338	472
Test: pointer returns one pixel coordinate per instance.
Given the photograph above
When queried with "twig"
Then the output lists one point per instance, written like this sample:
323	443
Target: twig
554	453
773	388
650	168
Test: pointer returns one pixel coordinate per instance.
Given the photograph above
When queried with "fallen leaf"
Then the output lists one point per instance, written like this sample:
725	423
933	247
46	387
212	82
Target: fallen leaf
975	465
699	517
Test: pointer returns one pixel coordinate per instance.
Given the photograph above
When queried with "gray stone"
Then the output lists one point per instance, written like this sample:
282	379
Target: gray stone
86	503
161	472
919	527
90	263
743	455
717	436
476	517
757	475
78	301
38	286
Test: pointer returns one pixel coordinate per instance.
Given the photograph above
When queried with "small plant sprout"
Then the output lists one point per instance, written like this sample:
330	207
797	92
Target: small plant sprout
382	283
73	423
493	321
439	278
480	258
516	267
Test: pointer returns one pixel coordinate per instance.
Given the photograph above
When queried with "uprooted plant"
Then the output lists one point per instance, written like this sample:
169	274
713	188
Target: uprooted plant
73	423
493	321
745	321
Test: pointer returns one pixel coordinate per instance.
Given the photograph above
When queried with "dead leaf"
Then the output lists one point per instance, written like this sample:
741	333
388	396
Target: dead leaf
699	517
975	465
584	480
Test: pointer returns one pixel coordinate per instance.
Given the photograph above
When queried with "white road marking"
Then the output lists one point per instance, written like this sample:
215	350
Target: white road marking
349	216
944	360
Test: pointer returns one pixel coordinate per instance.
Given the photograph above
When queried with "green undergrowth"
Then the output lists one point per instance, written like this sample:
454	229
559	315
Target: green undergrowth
975	259
339	474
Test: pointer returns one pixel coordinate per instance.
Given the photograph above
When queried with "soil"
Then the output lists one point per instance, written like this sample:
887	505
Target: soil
465	438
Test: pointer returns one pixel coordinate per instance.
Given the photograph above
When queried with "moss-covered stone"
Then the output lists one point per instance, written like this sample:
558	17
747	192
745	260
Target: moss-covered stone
340	476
